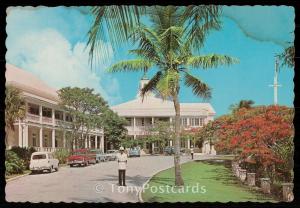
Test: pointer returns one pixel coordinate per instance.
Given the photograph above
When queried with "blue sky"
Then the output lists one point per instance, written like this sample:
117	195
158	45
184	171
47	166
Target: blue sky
50	42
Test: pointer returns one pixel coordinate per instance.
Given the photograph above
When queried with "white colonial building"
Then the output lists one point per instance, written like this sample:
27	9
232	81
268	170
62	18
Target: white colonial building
142	114
46	124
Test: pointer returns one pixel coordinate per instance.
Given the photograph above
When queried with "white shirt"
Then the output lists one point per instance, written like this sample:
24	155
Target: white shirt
122	160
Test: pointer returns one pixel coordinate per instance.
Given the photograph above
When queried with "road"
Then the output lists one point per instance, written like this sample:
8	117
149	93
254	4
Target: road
95	183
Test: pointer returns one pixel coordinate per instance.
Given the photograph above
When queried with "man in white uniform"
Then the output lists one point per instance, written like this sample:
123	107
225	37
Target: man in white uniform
122	163
192	152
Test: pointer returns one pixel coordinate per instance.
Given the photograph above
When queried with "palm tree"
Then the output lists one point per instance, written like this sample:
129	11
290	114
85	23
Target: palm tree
167	45
242	104
14	109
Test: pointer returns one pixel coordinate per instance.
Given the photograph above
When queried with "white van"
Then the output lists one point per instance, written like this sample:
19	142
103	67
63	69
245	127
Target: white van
41	161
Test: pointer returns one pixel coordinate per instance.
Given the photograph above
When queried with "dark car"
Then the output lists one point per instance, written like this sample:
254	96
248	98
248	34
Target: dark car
81	157
169	150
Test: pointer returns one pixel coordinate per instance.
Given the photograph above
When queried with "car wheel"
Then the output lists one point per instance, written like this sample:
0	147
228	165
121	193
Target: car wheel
71	165
56	169
33	172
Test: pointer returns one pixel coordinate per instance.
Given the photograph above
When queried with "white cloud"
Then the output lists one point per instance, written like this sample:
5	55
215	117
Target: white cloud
51	57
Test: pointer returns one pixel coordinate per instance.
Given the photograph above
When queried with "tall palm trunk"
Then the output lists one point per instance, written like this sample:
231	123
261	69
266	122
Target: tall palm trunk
178	177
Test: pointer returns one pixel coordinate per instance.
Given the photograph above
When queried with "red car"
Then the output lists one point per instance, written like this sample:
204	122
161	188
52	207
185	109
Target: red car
81	157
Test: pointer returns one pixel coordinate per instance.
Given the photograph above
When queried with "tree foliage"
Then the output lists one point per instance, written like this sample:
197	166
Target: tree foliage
242	104
85	108
161	133
287	57
261	137
14	108
113	126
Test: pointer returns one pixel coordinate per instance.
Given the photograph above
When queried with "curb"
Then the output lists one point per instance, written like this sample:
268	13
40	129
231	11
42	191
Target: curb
17	177
142	189
26	174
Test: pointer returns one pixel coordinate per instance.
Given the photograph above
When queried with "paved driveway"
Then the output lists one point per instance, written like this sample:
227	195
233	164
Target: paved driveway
95	183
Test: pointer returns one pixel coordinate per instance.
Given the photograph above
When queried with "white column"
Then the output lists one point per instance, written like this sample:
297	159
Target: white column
64	139
89	141
152	121
85	142
53	138
74	146
26	136
53	117
64	116
152	147
41	113
171	143
189	144
134	124
20	134
41	138
187	121
96	141
102	143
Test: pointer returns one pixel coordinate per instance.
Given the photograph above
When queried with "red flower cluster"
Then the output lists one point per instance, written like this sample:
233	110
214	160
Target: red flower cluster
252	133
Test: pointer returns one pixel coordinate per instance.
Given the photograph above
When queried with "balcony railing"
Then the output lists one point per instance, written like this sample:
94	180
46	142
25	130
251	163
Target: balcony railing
32	117
48	149
47	120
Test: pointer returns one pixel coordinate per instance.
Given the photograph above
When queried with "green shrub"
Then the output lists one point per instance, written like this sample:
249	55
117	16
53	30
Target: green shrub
62	155
13	164
24	153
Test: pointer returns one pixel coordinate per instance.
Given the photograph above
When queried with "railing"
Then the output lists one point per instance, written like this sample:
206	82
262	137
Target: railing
47	149
33	117
47	120
141	130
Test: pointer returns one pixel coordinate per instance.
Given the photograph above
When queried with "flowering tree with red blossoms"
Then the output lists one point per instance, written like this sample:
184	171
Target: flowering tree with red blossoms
261	137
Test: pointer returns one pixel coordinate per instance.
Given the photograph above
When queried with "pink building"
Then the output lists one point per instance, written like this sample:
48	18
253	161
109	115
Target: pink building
46	125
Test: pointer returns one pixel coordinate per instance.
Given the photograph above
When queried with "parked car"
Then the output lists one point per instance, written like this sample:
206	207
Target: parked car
41	161
169	150
81	157
100	155
112	154
134	152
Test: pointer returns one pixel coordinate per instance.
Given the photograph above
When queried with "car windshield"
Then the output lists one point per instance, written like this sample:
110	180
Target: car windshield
37	157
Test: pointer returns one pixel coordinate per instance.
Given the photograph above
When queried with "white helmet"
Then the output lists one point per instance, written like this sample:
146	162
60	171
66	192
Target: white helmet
121	148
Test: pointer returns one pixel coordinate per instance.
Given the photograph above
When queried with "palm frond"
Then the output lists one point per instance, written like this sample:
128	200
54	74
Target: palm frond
151	85
287	57
211	61
148	43
200	20
112	24
199	88
130	65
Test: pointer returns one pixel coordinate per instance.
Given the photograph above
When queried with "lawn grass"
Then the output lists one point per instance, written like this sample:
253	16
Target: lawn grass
215	183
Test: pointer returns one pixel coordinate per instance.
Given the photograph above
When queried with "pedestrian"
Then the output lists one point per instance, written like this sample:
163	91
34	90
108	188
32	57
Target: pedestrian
192	152
122	163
